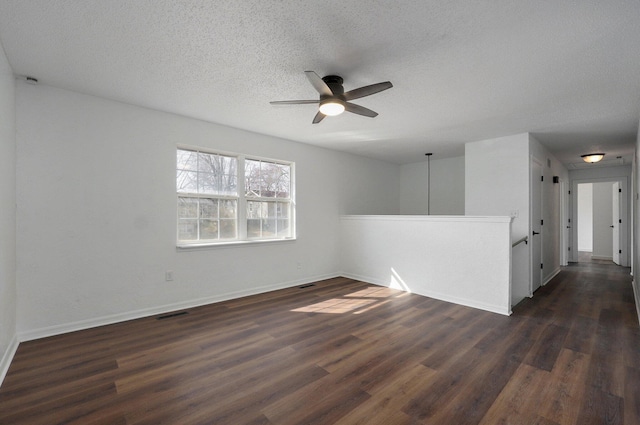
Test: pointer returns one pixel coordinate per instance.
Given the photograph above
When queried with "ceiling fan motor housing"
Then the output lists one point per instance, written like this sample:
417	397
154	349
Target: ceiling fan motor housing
335	84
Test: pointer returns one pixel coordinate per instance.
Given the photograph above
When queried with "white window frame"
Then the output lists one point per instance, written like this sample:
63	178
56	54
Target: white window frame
241	225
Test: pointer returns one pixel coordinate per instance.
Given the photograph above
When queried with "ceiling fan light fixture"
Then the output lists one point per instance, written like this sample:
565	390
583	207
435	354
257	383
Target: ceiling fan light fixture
334	100
332	107
592	157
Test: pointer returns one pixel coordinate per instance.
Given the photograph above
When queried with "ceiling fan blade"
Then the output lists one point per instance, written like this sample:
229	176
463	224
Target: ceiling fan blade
293	102
360	110
319	117
367	90
318	84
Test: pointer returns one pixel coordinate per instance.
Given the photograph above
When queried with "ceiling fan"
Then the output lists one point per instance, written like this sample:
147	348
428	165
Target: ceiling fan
333	99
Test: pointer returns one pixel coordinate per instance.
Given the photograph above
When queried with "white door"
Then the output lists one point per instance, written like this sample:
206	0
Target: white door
565	228
536	225
615	208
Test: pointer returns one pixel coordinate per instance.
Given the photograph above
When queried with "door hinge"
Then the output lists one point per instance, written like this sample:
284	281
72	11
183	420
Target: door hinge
541	178
541	222
569	192
569	249
541	265
619	190
619	251
620	220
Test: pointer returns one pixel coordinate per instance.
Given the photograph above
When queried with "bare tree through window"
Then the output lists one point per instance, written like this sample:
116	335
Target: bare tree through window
199	176
265	183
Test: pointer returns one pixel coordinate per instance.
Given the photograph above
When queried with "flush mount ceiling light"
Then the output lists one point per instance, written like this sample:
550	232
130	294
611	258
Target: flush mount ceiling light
592	157
331	107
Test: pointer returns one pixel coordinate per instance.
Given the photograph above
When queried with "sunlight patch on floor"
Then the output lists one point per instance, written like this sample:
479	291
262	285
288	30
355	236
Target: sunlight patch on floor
336	306
356	303
374	292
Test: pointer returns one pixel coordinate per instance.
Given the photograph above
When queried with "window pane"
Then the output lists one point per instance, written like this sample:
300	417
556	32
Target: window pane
208	229
223	167
228	165
228	229
186	181
284	182
187	160
229	185
283	210
283	228
207	162
187	208
200	172
253	228
268	219
208	183
271	209
252	177
269	229
275	180
253	209
209	208
267	179
188	230
255	212
228	208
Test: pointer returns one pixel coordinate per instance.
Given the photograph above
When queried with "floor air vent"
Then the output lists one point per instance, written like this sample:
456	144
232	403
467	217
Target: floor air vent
307	286
166	316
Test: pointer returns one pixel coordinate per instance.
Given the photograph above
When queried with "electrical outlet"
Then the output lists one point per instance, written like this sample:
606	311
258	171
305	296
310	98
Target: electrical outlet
168	275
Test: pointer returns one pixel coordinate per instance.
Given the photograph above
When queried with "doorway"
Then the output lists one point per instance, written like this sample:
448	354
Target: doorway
600	229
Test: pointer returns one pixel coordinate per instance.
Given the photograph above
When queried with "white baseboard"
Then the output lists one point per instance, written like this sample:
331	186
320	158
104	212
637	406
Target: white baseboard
152	311
602	257
551	276
438	296
7	357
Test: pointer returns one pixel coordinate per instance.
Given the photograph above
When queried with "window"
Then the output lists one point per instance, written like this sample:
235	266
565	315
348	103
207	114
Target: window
216	205
267	191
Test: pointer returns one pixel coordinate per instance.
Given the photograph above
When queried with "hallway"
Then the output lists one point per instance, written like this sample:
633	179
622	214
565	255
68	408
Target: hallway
590	305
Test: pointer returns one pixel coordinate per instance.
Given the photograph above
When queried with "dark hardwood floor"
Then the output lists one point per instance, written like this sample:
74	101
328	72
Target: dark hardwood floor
346	352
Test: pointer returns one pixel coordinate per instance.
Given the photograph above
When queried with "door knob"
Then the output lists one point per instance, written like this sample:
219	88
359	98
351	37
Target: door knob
611	226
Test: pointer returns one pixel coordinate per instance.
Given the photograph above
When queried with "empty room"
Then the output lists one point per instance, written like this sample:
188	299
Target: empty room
300	212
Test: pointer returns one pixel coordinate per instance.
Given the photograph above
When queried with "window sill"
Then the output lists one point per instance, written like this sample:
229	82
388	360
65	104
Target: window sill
230	244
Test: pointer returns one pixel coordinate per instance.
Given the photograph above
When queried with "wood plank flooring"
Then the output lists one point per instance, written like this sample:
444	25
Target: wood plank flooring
345	352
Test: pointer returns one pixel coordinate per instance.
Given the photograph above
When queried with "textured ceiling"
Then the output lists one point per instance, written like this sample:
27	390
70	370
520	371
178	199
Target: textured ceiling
566	71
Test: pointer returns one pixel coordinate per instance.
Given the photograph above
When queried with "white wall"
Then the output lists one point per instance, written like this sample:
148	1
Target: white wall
447	187
602	220
585	217
497	183
465	260
414	184
8	341
96	212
